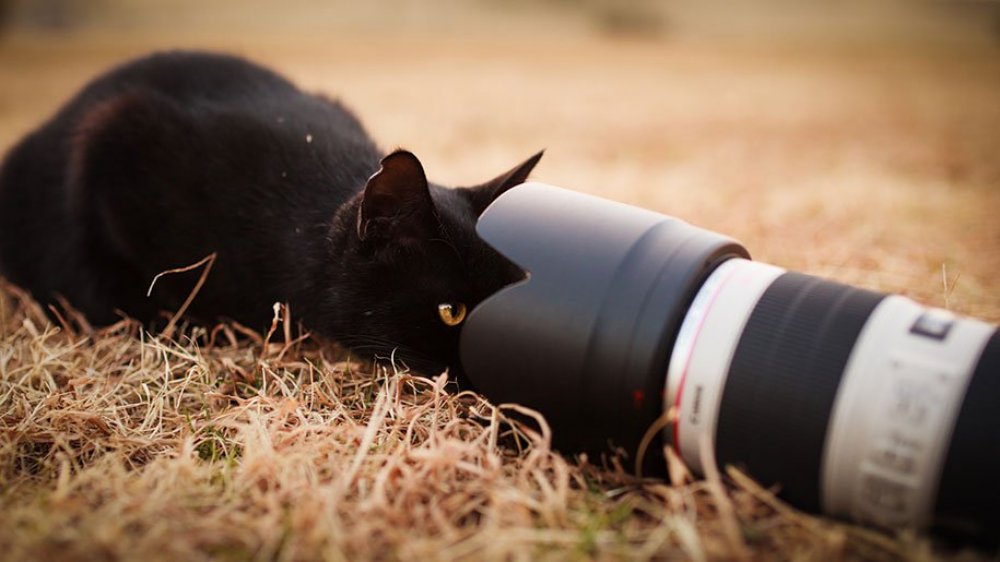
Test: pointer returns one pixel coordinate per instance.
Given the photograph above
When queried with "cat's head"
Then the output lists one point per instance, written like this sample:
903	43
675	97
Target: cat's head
416	265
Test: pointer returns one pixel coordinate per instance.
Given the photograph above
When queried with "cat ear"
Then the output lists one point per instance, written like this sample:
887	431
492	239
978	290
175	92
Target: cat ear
484	194
396	199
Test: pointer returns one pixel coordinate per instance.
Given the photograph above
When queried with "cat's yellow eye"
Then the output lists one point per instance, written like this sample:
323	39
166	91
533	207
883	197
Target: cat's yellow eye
451	314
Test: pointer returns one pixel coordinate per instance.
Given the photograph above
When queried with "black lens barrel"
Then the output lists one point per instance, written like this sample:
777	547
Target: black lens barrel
586	338
968	500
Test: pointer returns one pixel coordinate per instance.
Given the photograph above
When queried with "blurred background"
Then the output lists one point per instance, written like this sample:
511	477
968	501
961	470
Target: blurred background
857	139
847	20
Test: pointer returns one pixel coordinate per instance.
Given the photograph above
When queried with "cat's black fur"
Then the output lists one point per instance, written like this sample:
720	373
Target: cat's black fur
167	159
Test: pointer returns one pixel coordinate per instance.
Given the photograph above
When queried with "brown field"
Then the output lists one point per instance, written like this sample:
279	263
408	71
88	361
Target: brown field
878	166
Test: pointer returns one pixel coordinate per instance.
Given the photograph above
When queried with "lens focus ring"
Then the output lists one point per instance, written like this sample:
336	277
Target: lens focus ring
783	379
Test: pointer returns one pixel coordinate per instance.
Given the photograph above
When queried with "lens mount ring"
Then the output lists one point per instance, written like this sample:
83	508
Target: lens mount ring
704	349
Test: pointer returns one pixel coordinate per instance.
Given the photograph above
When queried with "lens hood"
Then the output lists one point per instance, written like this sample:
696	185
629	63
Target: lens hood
585	338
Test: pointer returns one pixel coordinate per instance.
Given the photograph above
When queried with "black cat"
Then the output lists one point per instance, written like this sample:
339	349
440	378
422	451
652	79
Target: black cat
170	158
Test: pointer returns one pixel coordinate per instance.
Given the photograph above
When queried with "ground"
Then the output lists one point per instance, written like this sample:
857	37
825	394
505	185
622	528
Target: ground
873	165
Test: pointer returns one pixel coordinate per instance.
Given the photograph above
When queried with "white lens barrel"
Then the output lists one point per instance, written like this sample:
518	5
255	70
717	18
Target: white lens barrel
854	403
704	348
895	413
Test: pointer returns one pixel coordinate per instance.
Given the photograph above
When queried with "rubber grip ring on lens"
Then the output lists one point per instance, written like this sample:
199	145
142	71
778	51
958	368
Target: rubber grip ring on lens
783	379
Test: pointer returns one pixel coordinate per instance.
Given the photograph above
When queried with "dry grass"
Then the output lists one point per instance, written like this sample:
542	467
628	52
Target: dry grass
120	445
873	167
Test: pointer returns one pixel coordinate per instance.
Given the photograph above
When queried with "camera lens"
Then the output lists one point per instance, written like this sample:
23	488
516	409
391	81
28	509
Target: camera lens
854	403
851	402
585	338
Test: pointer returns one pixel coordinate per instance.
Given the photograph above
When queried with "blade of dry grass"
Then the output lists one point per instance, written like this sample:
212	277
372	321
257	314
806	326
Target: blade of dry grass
207	261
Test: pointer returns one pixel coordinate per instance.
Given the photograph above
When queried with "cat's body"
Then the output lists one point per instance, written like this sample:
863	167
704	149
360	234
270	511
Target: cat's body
174	157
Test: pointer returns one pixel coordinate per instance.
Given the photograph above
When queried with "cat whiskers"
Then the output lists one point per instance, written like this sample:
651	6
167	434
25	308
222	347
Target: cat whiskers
384	349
